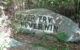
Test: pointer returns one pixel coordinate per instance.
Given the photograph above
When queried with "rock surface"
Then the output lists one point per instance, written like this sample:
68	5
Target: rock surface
46	21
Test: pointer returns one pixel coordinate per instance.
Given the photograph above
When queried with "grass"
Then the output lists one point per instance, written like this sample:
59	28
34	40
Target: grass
51	46
62	36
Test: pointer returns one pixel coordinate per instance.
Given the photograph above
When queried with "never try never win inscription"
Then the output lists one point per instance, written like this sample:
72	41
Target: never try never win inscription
37	22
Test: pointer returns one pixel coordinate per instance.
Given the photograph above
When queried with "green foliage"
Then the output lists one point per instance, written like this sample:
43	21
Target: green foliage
71	6
38	44
44	37
51	46
65	48
54	49
59	3
53	4
25	31
62	36
41	45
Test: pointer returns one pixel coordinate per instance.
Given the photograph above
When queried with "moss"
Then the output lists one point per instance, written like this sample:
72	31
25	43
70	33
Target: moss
62	36
25	31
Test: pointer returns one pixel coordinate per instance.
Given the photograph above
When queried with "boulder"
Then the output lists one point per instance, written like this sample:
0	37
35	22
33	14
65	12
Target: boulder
46	21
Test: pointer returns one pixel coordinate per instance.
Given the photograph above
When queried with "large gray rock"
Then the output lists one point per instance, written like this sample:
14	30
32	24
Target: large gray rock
46	21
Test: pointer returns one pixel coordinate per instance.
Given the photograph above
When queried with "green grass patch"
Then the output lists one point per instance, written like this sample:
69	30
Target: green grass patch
62	36
25	31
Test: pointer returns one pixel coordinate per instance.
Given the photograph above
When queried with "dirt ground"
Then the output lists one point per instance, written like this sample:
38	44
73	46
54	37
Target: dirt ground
31	41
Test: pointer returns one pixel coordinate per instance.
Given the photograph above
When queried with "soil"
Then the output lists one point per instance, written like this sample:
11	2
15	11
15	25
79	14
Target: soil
31	40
